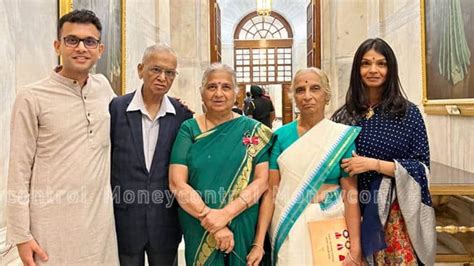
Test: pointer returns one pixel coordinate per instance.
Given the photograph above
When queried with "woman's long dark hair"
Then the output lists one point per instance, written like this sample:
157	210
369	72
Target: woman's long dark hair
393	100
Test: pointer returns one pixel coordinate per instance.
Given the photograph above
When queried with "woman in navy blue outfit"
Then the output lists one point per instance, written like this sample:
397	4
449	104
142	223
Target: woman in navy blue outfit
392	161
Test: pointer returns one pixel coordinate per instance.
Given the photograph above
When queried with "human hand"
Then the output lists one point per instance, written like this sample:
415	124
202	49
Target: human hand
27	252
255	255
224	240
353	259
359	164
215	219
184	104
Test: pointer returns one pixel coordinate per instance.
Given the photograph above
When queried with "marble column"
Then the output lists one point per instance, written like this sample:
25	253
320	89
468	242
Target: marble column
141	32
27	55
344	27
190	39
163	21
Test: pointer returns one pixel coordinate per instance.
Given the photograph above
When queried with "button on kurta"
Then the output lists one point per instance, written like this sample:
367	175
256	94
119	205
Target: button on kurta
56	111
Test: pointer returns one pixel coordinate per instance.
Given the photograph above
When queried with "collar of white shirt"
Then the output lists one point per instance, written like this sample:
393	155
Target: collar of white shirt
137	104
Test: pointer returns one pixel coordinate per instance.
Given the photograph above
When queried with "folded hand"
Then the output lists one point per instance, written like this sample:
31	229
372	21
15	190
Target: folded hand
224	240
215	219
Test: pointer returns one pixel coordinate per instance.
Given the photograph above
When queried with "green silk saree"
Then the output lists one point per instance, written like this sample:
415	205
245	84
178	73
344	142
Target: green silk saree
221	164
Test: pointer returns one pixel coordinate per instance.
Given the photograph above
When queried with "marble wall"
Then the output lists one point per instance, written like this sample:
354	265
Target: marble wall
183	26
190	39
343	27
141	32
27	54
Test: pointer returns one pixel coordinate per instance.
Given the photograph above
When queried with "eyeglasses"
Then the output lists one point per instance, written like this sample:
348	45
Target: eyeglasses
171	74
73	42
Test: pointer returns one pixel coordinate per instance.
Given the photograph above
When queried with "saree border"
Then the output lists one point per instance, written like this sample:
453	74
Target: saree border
241	180
301	201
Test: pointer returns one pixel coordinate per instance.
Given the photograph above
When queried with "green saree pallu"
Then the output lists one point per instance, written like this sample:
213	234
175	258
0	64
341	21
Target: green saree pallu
220	164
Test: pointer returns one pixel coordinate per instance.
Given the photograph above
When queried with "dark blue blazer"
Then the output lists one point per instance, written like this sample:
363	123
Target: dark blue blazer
145	210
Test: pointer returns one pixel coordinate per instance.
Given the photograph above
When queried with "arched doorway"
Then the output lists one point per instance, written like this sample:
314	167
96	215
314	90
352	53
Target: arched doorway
263	56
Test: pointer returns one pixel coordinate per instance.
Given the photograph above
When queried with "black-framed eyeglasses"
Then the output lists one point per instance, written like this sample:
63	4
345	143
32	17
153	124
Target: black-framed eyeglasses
73	42
169	73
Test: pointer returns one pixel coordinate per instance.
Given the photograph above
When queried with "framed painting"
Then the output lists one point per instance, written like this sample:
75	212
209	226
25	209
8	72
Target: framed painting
112	16
447	56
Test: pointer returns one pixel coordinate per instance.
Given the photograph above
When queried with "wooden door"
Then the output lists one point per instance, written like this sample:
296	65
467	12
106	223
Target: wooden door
215	23
286	103
313	39
241	95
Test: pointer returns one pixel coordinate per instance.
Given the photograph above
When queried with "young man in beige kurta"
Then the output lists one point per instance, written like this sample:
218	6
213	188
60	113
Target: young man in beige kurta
59	209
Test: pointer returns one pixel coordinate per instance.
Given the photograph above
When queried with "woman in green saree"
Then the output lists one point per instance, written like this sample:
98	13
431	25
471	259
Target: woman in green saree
218	171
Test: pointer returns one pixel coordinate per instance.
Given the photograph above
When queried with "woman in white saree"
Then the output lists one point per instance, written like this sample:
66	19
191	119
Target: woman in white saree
306	181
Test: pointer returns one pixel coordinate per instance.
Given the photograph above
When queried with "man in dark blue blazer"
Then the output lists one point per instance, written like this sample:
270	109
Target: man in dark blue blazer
144	125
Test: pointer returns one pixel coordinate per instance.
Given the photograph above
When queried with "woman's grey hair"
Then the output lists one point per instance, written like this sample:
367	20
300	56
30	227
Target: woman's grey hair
159	47
218	67
318	72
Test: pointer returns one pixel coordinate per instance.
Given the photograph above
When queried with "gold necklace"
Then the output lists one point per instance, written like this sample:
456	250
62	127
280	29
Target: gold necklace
370	111
205	120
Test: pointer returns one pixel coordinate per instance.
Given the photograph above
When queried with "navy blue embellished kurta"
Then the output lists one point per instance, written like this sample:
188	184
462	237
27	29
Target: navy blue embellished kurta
402	140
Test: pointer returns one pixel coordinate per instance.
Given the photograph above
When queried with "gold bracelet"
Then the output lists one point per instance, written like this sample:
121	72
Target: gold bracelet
245	201
260	246
353	260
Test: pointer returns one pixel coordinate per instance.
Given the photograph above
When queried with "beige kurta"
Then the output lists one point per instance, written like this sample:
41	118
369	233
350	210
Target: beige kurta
59	175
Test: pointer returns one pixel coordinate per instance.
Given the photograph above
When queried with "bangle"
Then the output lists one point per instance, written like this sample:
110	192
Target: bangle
202	209
260	246
353	260
244	200
203	212
378	166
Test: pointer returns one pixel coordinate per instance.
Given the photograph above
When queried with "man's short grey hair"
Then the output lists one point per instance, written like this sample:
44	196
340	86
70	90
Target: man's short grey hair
318	72
159	47
219	67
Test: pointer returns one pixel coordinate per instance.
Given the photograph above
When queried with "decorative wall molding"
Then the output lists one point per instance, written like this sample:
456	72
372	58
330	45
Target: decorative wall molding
395	21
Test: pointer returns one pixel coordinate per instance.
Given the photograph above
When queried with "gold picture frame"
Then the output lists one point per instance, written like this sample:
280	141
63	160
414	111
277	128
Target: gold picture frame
448	85
112	62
